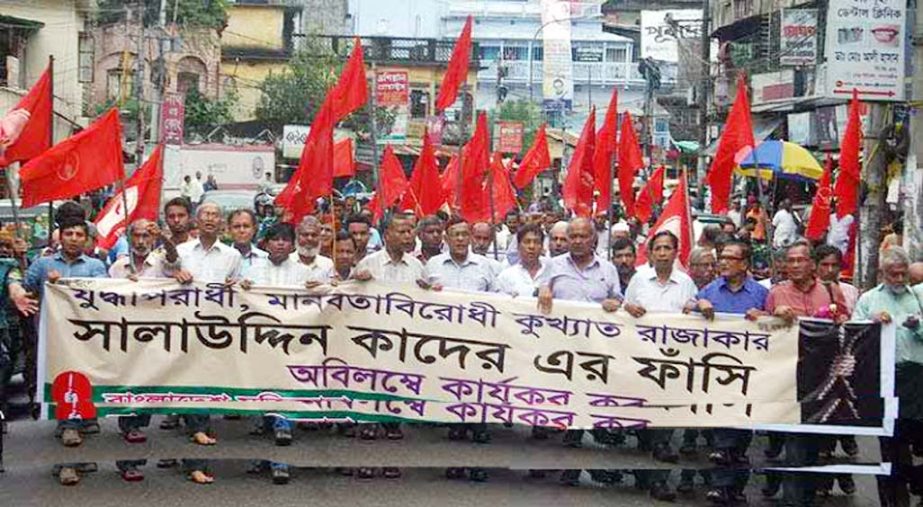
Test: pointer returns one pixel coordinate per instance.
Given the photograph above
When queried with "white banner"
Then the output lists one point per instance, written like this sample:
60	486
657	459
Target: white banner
658	37
557	61
798	39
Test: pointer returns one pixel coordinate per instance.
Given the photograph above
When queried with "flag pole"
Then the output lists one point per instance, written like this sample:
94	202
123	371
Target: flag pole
493	213
461	146
51	140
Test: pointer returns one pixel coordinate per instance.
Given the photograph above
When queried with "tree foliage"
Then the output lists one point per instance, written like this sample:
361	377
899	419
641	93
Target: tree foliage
193	13
204	114
523	111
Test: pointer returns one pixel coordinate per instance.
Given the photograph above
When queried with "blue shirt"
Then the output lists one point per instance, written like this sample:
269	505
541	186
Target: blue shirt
119	249
82	267
750	295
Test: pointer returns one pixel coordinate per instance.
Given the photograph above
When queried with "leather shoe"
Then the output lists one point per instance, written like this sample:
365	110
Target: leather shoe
660	491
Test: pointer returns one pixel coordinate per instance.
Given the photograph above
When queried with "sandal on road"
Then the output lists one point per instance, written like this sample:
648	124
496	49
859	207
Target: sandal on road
68	476
200	477
132	475
70	437
134	436
202	438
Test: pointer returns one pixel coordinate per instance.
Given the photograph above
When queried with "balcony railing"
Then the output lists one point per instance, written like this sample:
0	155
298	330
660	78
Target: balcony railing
595	72
398	49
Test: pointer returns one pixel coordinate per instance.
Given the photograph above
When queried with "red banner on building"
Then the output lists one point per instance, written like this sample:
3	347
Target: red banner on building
510	136
392	88
172	117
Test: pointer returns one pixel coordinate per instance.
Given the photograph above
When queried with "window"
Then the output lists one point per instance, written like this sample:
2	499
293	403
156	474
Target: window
538	53
419	103
489	52
515	53
616	54
85	49
119	84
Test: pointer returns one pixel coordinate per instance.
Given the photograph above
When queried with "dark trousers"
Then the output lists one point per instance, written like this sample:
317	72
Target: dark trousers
735	442
126	424
650	440
799	488
905	478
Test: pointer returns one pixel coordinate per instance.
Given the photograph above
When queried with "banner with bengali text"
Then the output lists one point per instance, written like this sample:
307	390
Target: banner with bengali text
377	352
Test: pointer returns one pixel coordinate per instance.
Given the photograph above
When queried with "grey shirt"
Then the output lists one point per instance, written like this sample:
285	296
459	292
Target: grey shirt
597	281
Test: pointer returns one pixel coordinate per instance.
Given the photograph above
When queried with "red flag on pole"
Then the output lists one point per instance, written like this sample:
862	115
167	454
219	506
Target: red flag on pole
630	161
25	131
605	153
651	194
314	176
457	71
732	148
846	189
86	161
578	185
504	198
819	221
449	181
676	219
344	165
142	193
352	89
475	164
537	159
425	196
392	182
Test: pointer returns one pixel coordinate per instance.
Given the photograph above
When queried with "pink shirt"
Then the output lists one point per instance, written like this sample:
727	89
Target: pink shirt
805	304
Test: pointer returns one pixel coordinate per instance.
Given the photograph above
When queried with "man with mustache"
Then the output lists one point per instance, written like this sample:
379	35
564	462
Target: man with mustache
308	252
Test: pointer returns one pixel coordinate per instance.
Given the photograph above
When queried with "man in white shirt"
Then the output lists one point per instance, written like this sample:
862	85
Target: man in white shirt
734	213
557	240
459	268
278	268
308	253
242	226
208	260
523	278
191	189
482	244
139	264
660	289
838	233
784	227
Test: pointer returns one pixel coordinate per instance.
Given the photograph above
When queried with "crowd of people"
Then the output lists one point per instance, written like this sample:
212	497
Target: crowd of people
536	253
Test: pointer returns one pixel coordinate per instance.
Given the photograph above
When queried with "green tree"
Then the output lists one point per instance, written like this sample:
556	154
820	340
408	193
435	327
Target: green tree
194	13
204	114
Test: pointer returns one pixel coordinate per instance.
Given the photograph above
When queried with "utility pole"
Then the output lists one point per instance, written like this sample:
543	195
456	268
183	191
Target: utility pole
913	177
161	76
703	91
872	208
139	85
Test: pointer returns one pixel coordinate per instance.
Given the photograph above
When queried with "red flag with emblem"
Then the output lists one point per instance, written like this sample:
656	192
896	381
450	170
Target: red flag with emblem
83	162
676	219
537	159
604	154
651	194
457	71
25	131
819	221
578	185
142	194
735	144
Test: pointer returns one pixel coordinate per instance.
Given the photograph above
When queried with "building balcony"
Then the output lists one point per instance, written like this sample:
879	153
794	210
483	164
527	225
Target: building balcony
400	50
602	73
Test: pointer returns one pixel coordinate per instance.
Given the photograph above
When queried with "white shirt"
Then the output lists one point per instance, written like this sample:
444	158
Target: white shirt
254	254
150	269
286	273
473	274
215	265
838	234
646	291
517	282
785	230
734	215
407	270
320	269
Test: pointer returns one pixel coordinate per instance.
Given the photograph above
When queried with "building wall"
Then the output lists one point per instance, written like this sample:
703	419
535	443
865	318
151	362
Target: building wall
245	77
254	27
59	37
326	17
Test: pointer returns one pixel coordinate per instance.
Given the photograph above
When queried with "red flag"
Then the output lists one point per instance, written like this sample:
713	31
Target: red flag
86	161
819	221
475	164
504	197
344	165
142	194
25	131
651	194
314	176
448	181
352	89
846	189
425	196
604	154
630	161
675	218
578	185
537	159
457	71
392	182
732	148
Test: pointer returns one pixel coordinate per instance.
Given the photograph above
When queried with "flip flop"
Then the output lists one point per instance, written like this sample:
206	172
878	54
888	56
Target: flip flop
200	477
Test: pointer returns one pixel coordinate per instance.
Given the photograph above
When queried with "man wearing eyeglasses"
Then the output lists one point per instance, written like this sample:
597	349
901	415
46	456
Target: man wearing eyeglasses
734	292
